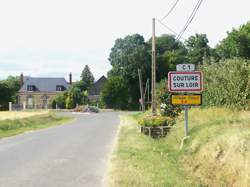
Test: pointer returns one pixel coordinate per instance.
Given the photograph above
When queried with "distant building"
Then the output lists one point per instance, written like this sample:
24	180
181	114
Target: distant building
39	92
96	88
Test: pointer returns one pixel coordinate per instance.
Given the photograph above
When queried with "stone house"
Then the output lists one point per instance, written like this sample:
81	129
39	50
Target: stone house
96	88
39	92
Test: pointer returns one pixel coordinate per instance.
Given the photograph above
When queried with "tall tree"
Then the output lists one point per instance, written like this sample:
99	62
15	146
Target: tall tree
236	44
198	48
169	52
127	55
87	77
114	92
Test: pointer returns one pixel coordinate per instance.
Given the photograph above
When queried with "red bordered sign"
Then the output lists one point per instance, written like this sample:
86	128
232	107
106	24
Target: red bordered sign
185	81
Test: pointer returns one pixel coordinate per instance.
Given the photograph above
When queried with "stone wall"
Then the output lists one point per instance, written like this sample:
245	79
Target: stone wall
37	99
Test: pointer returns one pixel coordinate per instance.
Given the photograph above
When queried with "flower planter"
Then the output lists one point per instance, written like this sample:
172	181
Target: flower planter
155	132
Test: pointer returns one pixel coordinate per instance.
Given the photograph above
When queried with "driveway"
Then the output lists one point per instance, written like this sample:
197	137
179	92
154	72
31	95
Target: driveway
70	155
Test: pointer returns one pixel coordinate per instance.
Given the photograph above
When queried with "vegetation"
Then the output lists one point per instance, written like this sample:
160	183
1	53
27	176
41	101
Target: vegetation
227	83
216	154
8	91
77	94
155	121
10	127
114	92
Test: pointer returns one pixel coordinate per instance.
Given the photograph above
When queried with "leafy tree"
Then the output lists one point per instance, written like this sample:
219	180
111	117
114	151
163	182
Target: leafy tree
236	44
198	48
227	83
5	95
59	101
169	53
114	92
127	55
87	78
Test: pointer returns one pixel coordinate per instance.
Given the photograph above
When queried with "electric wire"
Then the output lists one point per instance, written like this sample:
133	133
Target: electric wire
190	19
170	11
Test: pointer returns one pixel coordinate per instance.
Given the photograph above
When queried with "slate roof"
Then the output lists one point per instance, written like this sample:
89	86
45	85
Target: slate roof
97	87
44	84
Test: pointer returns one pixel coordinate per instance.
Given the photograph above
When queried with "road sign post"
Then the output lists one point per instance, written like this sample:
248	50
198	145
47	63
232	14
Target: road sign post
185	80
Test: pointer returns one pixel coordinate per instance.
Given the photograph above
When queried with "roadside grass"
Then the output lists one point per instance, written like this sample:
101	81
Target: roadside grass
41	120
21	114
217	152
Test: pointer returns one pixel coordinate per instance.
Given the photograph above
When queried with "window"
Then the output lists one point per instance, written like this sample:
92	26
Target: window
60	88
30	88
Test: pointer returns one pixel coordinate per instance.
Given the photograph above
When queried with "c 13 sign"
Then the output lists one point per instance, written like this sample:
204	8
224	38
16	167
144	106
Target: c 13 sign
185	81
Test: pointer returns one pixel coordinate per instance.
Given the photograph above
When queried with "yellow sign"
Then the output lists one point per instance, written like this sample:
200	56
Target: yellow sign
195	99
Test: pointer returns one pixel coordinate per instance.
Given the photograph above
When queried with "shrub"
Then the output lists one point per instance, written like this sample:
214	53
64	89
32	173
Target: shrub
227	83
94	109
155	121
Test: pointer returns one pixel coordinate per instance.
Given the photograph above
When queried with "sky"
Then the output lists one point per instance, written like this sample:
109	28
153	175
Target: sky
51	38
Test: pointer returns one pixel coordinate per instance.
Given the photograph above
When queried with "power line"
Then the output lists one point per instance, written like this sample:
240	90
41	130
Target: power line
168	28
170	11
190	19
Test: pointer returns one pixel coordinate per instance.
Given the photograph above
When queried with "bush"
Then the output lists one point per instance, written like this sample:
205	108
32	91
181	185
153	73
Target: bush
163	98
94	109
227	83
156	121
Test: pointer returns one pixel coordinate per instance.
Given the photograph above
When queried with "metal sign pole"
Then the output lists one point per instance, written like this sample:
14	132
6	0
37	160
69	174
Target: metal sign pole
186	120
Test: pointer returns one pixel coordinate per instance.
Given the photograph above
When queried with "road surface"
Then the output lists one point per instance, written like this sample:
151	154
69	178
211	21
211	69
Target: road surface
71	155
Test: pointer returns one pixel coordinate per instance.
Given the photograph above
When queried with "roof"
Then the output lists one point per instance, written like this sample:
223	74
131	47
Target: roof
44	84
97	87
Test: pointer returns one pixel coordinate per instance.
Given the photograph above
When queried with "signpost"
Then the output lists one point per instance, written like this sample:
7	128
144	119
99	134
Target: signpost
185	80
185	67
192	100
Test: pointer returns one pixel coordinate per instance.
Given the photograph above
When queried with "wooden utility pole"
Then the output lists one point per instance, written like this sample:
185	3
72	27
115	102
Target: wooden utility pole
153	92
141	90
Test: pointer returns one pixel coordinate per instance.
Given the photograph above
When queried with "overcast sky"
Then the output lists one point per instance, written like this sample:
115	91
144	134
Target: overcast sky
55	37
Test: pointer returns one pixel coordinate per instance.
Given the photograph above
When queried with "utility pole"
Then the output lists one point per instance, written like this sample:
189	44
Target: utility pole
141	90
153	92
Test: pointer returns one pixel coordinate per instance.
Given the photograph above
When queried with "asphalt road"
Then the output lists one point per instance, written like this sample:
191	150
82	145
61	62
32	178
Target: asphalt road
71	155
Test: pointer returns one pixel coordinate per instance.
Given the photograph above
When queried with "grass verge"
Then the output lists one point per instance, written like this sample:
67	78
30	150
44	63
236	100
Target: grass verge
216	154
10	127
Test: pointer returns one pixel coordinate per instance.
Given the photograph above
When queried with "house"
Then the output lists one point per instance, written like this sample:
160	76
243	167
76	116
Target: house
96	88
39	92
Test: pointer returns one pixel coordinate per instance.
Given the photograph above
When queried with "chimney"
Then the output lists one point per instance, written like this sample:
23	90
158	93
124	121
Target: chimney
21	80
70	78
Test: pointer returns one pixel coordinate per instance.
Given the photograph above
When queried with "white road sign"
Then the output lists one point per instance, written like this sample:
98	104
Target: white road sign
185	81
185	67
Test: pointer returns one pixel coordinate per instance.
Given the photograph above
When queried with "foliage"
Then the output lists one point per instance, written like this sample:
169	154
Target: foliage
8	90
155	121
198	48
59	100
126	57
236	44
163	98
93	109
87	78
114	92
169	53
227	83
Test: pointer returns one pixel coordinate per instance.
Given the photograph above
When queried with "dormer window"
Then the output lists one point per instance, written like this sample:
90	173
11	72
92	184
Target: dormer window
60	88
30	88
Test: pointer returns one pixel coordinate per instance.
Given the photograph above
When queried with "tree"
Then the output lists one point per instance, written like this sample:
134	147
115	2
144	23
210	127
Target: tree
236	44
127	55
198	48
169	53
87	78
115	93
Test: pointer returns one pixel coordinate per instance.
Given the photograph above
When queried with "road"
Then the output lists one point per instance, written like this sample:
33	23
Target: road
70	155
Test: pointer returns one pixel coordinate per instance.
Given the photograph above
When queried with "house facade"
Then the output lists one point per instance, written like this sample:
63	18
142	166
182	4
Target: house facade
39	92
96	88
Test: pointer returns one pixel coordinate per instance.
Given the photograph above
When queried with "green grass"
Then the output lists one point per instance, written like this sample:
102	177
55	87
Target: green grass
12	127
216	154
